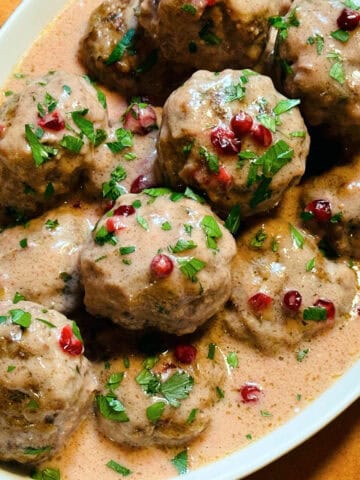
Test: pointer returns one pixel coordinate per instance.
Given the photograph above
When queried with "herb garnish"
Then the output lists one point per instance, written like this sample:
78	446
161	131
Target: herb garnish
125	44
180	462
118	468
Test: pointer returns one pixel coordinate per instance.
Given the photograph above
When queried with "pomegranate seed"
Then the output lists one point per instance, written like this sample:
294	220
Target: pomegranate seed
241	123
261	135
125	210
108	205
161	266
69	343
52	121
114	224
140	120
329	306
224	141
140	183
210	3
321	209
223	177
358	311
348	19
185	353
260	301
250	392
292	300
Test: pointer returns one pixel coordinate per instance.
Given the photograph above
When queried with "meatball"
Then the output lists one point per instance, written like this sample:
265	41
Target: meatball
49	133
284	290
126	162
46	383
163	400
320	65
214	34
117	51
39	261
157	260
331	207
213	137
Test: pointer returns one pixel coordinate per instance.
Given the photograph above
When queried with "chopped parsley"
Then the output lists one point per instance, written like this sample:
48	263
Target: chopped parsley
232	360
220	392
114	381
71	143
192	416
297	237
111	189
182	246
102	236
45	322
316	314
40	153
302	354
51	224
124	139
177	387
154	412
211	351
207	35
235	92
282	24
111	408
265	413
125	44
212	231
10	368
127	250
337	71
211	159
166	226
96	137
341	35
116	467
142	222
188	8
317	40
20	317
180	462
157	192
259	239
233	220
46	474
336	218
189	268
23	243
18	297
36	451
49	190
310	265
67	89
286	105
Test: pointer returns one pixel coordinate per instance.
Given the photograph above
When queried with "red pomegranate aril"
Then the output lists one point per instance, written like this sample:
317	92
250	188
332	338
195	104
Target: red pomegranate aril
114	224
125	210
358	311
69	343
261	135
210	3
250	392
223	177
224	141
321	209
185	353
241	124
292	300
52	121
140	183
140	120
108	205
161	266
328	305
260	301
348	19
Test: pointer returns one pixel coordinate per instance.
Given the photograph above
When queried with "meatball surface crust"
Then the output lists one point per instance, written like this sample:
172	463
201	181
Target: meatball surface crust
199	145
128	163
156	262
152	415
275	258
45	390
339	191
38	158
118	52
210	35
323	71
40	261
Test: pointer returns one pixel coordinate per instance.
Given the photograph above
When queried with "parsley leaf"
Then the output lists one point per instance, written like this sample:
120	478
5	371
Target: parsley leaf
208	36
40	153
191	267
232	360
124	140
317	40
212	160
298	238
20	317
232	222
73	144
111	408
126	43
259	239
212	231
154	411
180	462
182	246
118	468
111	189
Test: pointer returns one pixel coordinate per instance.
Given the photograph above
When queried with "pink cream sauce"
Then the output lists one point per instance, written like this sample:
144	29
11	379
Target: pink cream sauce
283	379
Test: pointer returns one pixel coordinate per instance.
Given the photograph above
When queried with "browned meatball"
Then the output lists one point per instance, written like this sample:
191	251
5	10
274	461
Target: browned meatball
117	51
46	384
331	207
213	137
210	34
321	66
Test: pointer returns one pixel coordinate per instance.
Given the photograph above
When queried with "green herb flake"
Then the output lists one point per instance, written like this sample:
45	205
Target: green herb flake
341	35
318	41
232	360
73	144
36	451
51	224
212	231
46	474
259	239
142	222
127	250
112	189
180	462
190	194
265	413
188	8
67	89
298	397
191	267
316	314
10	368
192	416
177	387
111	408
18	298
102	236
282	24
120	469
298	134
302	354
310	265
126	43
124	139
286	105
188	228
20	317
297	237
336	218
211	159
182	246
154	411
157	192
274	245
249	436
8	93
235	92
126	362
45	322
233	220
114	381
186	150
211	351
208	36
23	243
220	392
40	153
166	226
32	405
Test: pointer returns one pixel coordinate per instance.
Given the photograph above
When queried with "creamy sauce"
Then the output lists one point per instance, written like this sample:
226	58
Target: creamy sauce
288	385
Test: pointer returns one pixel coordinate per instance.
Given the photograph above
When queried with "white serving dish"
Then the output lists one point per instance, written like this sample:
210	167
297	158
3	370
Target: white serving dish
16	35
